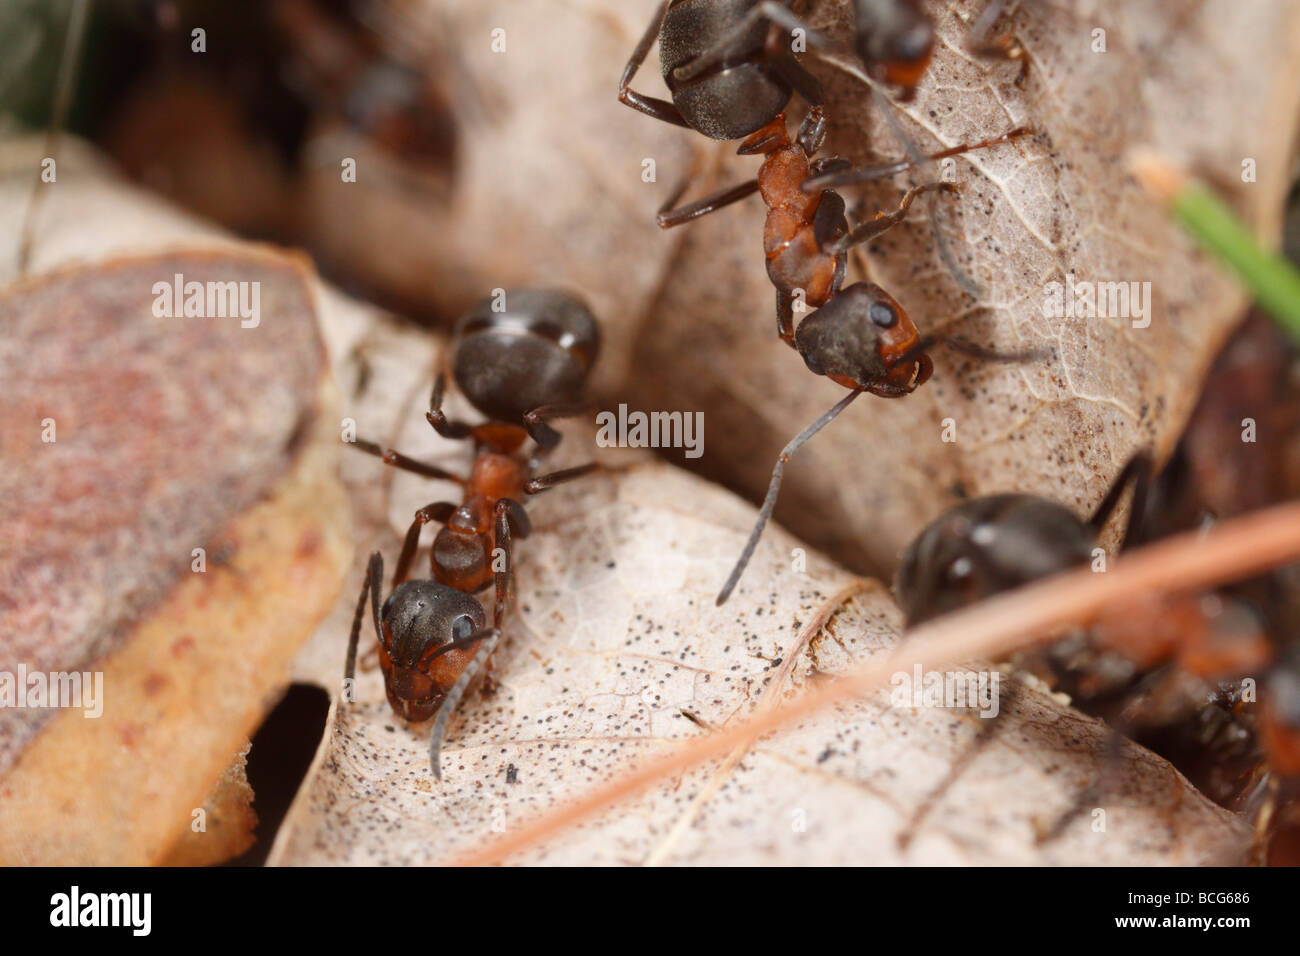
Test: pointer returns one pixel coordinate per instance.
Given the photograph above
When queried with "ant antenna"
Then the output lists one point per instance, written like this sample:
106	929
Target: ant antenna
490	637
921	162
774	488
63	91
1137	470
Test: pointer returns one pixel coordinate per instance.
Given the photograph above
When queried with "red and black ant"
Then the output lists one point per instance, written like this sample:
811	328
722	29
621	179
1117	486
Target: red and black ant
730	72
724	63
521	362
989	545
859	336
895	41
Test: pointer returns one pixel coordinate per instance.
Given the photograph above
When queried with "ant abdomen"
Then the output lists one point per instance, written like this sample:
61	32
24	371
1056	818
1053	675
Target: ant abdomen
535	351
743	93
984	546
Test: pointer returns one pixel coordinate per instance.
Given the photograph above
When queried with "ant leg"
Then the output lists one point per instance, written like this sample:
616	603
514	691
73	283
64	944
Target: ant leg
510	517
651	106
398	460
436	418
804	83
1138	470
884	220
1006	47
770	10
487	640
958	767
774	488
543	482
785	318
369	588
64	88
439	511
861	174
546	436
669	217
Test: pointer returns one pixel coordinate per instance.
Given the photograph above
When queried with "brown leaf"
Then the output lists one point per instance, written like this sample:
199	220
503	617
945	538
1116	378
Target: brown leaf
225	828
170	434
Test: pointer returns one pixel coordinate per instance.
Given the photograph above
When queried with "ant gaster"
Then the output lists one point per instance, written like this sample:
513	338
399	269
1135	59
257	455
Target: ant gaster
725	64
521	367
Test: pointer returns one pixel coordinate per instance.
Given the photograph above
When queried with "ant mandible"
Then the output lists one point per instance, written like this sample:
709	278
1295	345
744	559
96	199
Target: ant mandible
521	366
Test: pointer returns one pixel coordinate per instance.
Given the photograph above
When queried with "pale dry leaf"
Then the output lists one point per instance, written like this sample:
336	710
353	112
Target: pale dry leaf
617	650
549	188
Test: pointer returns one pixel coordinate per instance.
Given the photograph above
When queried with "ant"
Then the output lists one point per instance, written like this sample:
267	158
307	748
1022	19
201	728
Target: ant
895	41
989	545
729	74
724	64
521	366
859	336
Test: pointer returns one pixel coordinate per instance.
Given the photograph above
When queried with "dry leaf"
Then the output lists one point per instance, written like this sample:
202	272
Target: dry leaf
169	435
617	650
616	634
225	827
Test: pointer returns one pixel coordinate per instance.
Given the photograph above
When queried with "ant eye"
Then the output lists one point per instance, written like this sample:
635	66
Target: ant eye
882	315
462	627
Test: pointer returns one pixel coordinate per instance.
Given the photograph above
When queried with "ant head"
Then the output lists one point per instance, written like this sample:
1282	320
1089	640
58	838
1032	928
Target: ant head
895	40
862	338
523	349
984	546
418	618
729	102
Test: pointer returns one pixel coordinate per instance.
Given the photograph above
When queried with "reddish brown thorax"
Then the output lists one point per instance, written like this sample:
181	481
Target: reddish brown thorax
794	259
1192	630
463	548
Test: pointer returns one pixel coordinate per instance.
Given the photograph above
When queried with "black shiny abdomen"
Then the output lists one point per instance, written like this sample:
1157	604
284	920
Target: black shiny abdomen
536	352
1005	541
734	99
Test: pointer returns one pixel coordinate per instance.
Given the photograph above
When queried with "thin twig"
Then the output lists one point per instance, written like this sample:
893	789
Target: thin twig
1232	550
